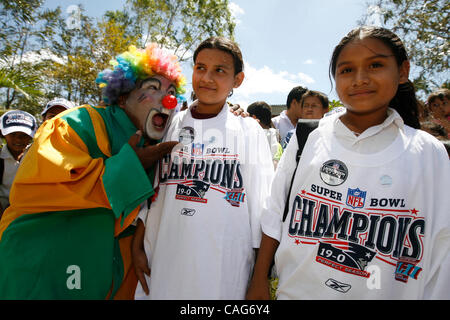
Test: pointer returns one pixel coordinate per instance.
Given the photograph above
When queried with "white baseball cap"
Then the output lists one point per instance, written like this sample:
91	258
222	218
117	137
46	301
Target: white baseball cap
58	102
18	120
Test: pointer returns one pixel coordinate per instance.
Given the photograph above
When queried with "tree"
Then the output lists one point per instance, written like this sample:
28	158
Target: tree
423	27
180	24
20	84
110	37
80	48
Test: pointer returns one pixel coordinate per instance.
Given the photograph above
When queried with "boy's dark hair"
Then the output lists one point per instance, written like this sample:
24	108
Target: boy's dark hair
404	101
262	111
226	45
295	94
321	96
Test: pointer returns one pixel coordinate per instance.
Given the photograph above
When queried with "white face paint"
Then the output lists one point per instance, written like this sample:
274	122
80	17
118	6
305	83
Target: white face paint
144	106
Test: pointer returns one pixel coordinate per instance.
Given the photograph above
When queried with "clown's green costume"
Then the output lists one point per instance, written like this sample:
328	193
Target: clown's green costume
67	232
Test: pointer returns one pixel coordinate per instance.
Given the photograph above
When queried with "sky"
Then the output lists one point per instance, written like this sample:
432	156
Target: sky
285	43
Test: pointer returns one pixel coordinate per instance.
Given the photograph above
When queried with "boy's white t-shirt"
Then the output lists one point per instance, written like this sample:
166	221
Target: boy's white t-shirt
203	226
283	124
362	225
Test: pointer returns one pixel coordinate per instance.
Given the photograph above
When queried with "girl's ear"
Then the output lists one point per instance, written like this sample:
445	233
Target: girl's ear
238	79
404	71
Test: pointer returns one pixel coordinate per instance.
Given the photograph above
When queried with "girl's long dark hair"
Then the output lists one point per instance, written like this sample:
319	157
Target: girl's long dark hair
404	101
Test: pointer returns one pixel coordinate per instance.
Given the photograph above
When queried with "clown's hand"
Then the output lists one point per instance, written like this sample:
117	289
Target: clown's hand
149	155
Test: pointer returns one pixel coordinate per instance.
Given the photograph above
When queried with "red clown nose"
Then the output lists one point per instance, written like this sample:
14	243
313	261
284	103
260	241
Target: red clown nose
169	102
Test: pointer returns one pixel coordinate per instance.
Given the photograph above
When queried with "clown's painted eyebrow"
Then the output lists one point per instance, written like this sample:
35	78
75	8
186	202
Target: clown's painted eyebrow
148	80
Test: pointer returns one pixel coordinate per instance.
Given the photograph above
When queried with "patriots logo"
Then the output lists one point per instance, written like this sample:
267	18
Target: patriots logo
200	187
195	191
360	255
350	258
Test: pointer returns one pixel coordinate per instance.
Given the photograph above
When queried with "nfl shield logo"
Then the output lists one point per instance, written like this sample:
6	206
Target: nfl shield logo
356	198
197	149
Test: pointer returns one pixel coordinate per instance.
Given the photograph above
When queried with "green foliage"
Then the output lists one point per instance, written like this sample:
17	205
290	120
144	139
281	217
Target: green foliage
20	73
334	104
180	24
423	27
25	85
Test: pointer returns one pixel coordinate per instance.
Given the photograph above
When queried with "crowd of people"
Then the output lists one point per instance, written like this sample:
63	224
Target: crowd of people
135	199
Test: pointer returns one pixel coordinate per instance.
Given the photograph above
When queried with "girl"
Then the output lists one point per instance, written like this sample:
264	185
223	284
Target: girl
200	232
368	211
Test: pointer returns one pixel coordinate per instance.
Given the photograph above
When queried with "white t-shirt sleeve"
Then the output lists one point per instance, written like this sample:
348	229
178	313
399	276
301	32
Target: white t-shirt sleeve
259	179
273	141
438	284
271	219
143	212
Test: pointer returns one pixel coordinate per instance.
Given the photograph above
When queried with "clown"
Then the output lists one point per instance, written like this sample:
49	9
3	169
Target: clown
67	232
144	84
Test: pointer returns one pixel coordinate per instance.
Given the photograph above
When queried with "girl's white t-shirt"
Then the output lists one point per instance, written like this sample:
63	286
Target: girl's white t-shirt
205	222
362	225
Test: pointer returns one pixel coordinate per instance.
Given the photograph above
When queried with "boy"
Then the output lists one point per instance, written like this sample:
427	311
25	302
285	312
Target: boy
18	128
314	105
262	112
288	119
55	107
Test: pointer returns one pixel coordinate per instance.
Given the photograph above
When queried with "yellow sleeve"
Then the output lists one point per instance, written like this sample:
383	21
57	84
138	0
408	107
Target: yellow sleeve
58	173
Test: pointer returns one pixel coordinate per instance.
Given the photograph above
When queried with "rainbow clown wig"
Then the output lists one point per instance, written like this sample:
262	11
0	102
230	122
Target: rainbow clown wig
138	64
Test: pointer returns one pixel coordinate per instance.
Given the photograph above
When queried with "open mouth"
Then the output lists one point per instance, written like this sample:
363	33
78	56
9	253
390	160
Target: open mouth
159	121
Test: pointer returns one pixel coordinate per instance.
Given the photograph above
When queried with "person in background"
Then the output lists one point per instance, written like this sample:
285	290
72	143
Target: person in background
435	129
55	107
314	105
18	128
439	101
287	120
437	109
438	131
262	112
